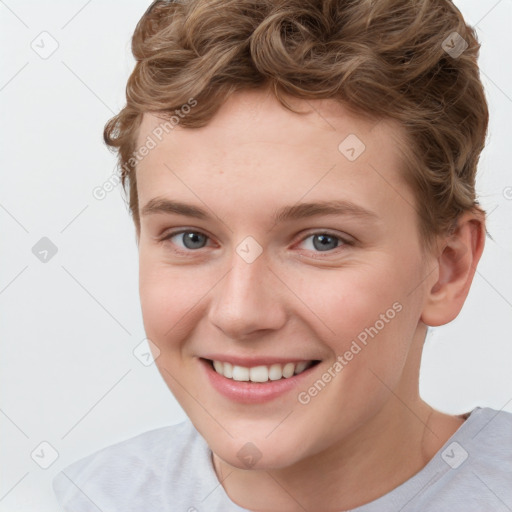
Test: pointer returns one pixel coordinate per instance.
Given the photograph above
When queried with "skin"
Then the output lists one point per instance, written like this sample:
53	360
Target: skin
368	430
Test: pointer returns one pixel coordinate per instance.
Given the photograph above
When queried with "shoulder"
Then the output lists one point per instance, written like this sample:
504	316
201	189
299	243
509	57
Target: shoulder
129	474
153	447
471	472
489	436
483	445
475	465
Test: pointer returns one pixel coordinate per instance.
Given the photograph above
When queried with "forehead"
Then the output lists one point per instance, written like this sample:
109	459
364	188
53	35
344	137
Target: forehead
257	114
254	142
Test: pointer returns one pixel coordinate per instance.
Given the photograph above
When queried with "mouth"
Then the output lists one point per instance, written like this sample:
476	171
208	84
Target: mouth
260	373
257	384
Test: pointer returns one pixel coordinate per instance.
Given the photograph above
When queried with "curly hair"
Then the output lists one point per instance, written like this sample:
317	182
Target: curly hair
381	59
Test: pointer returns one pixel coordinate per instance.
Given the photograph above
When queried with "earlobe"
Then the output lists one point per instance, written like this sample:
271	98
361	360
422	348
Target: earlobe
456	265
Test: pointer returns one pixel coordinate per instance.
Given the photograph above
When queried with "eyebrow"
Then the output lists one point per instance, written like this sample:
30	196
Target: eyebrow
287	213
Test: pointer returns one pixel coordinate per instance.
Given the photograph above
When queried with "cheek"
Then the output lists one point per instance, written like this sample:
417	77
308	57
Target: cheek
369	323
166	295
346	301
167	299
365	315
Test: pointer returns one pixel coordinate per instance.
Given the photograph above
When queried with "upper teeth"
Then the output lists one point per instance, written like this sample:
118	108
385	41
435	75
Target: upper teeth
260	373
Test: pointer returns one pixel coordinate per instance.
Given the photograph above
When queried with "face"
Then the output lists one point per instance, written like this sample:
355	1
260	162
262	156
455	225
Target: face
243	272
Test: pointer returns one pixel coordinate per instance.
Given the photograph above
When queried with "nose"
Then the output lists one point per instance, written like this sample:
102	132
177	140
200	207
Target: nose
249	300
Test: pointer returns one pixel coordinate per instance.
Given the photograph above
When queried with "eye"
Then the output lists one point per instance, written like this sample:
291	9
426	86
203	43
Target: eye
323	242
190	239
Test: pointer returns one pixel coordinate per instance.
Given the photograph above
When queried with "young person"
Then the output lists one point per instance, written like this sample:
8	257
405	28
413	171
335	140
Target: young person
302	183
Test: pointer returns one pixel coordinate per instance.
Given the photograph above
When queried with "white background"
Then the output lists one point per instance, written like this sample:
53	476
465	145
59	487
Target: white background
69	326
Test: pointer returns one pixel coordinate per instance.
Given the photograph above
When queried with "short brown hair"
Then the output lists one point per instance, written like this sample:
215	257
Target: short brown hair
382	59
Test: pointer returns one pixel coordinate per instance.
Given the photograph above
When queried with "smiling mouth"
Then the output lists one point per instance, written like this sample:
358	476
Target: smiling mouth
261	373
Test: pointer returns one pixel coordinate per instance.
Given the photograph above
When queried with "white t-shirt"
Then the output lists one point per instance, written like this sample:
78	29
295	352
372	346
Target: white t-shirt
170	470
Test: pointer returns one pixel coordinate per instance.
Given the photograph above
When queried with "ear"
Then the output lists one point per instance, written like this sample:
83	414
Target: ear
459	256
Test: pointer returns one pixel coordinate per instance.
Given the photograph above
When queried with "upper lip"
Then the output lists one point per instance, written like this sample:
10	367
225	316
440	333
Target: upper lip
249	362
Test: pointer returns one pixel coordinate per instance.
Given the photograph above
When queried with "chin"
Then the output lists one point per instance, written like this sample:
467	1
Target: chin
260	453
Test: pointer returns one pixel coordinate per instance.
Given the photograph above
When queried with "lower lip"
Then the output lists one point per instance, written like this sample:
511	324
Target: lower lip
253	392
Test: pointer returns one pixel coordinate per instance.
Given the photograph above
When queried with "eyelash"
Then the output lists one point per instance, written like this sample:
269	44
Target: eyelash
344	242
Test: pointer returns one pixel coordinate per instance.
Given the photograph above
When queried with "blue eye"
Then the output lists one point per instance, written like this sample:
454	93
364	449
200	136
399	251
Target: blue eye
323	242
190	239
